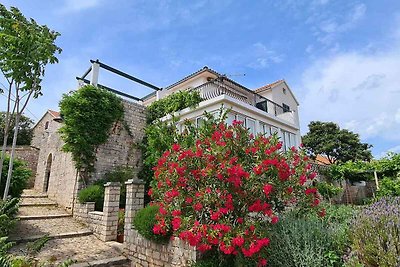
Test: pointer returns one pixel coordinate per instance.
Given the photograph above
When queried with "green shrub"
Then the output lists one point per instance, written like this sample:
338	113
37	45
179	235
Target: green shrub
5	259
375	233
303	242
144	221
328	190
92	193
8	210
389	187
20	176
121	175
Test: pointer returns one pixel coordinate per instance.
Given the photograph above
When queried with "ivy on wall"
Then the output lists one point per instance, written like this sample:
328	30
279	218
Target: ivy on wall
172	103
88	115
159	136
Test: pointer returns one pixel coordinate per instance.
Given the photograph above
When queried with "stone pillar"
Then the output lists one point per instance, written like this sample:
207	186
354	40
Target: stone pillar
134	202
110	211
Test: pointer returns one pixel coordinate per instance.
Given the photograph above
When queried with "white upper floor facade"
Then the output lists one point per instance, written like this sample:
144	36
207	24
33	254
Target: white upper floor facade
270	109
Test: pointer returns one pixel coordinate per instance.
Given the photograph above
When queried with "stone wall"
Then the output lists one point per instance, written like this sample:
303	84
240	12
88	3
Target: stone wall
30	155
122	147
143	252
104	224
60	178
55	167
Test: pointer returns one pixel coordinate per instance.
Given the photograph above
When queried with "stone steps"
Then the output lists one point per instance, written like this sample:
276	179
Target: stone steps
53	236
68	238
45	216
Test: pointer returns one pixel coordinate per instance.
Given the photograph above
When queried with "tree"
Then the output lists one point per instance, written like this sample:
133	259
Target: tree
25	132
338	145
25	49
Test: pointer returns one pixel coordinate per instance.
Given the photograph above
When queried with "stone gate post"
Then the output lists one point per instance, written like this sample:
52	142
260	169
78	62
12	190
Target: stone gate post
110	211
134	202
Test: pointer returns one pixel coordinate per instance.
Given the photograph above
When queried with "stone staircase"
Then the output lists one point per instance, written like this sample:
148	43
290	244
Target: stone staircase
69	239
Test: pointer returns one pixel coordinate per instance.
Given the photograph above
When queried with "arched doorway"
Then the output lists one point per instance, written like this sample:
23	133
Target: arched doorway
47	173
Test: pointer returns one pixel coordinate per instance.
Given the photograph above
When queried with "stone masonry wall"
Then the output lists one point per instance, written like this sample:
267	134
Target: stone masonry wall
143	252
103	224
122	148
30	155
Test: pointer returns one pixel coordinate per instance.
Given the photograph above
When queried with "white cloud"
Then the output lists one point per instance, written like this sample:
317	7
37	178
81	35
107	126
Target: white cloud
78	5
263	56
359	90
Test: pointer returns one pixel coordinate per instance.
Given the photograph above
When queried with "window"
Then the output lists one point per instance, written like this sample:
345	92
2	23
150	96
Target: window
230	118
284	90
241	118
251	125
199	121
285	107
46	126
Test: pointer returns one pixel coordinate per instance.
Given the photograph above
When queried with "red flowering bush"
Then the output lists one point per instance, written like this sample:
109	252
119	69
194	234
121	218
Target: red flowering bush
224	192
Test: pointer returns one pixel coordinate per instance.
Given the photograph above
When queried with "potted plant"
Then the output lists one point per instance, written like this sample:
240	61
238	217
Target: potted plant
121	224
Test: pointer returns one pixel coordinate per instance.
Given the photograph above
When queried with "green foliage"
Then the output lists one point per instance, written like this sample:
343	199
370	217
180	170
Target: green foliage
92	193
25	132
353	171
5	259
25	49
88	114
67	263
339	145
303	242
389	188
375	233
172	103
144	221
389	166
8	210
328	190
20	176
121	221
37	245
120	174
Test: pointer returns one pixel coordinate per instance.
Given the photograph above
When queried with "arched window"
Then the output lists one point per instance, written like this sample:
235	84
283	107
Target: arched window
46	126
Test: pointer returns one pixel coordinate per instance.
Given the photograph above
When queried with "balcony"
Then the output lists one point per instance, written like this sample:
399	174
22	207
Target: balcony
224	86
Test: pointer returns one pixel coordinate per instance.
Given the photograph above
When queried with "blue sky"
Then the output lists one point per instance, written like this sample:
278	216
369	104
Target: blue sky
341	58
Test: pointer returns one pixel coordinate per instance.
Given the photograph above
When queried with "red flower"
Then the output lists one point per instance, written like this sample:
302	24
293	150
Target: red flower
198	207
262	262
176	223
274	219
238	241
176	147
310	191
267	189
176	213
322	213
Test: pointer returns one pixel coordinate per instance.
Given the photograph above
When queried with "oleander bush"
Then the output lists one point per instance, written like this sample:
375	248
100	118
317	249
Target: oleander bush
375	233
222	193
144	222
92	193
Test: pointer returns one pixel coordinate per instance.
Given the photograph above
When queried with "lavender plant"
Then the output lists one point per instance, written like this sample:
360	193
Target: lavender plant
375	233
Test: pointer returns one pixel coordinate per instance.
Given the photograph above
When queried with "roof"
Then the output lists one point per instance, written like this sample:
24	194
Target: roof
322	160
53	113
268	86
204	69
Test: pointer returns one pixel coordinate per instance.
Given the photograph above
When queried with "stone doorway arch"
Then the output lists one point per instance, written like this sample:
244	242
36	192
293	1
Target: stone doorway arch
47	172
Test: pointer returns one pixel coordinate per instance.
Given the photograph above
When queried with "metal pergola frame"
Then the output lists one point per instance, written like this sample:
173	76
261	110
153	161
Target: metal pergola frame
97	64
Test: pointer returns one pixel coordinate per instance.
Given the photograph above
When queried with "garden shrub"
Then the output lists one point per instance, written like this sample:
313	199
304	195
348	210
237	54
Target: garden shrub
92	193
389	187
5	258
8	211
144	222
222	192
328	190
20	176
375	233
120	174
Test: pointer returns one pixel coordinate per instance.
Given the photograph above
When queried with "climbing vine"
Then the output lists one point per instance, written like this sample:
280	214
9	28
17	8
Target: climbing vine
88	115
159	135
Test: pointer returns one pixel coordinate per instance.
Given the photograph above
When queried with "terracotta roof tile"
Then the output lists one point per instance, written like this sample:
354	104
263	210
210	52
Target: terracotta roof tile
268	86
53	113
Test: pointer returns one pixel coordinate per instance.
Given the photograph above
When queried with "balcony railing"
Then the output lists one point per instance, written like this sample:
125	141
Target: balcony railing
223	86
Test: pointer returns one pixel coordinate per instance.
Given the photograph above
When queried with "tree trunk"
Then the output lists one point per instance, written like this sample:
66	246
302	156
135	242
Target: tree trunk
6	128
10	165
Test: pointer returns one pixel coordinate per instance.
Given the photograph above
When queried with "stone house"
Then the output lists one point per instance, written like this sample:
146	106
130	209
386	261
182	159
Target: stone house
270	109
56	174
